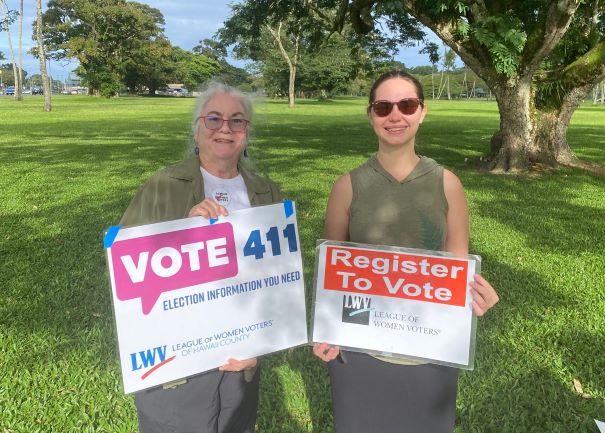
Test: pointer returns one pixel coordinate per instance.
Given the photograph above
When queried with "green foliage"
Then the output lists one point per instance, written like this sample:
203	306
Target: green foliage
192	69
217	51
149	66
576	61
504	39
432	49
324	60
212	49
549	91
463	28
422	70
8	17
109	84
8	78
328	70
540	238
106	37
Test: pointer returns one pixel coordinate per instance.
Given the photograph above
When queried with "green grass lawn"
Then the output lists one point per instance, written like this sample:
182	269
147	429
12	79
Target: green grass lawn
68	175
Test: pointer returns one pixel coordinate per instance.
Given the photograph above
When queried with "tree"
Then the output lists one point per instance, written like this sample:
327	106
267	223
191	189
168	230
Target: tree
8	17
433	51
246	28
216	50
42	57
421	70
212	49
539	58
1	72
149	66
104	36
19	87
192	69
298	31
449	61
289	25
9	74
344	58
598	93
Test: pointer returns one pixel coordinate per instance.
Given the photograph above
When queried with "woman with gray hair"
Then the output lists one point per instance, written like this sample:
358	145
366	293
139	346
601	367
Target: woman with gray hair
211	183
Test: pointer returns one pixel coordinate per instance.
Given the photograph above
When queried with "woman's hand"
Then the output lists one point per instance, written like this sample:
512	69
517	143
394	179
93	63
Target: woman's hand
326	352
208	209
238	365
484	295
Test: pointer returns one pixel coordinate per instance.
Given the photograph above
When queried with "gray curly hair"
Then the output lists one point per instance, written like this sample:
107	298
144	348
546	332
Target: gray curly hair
210	89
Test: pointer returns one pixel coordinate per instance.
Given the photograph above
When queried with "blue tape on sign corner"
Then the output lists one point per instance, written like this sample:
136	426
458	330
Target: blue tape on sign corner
110	236
213	220
288	208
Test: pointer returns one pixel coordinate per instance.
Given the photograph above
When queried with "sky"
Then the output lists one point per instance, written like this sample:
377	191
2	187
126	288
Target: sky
187	23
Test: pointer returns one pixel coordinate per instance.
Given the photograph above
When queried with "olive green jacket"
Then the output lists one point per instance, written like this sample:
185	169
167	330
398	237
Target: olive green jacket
171	193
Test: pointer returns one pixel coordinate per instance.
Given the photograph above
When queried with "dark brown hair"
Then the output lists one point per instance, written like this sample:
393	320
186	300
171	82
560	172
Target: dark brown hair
395	74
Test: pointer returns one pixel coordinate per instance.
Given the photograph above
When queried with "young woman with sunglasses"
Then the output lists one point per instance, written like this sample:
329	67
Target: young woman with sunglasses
402	199
211	183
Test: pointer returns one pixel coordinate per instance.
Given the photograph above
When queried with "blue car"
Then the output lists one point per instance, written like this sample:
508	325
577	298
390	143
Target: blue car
10	90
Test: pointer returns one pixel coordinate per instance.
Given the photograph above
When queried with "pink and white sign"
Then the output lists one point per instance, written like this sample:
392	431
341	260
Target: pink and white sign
189	295
148	266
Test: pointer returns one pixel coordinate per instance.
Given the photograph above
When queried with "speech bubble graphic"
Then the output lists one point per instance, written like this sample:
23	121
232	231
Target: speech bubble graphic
147	266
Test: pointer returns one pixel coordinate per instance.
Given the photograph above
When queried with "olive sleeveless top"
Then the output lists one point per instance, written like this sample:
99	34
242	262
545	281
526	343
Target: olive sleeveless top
411	213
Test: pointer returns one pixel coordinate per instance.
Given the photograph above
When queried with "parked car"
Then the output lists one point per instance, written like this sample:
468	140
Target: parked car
180	92
10	90
37	91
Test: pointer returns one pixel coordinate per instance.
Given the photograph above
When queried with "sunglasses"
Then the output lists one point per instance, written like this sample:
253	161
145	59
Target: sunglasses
214	122
406	106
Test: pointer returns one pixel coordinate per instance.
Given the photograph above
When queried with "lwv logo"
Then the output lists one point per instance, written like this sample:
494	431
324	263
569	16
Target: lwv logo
356	309
149	358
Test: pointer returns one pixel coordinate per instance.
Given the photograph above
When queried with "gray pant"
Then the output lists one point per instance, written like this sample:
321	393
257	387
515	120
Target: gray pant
213	402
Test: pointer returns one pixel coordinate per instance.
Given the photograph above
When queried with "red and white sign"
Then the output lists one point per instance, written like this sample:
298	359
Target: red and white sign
395	301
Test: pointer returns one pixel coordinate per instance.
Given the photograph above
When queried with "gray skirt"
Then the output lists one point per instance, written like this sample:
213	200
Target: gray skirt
370	396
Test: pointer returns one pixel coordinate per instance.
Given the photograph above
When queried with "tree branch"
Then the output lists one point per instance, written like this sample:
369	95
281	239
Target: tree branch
478	10
361	18
588	69
277	37
546	35
481	64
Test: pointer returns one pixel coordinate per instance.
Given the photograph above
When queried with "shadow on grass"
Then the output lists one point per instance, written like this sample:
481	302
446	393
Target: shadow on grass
527	358
65	184
506	406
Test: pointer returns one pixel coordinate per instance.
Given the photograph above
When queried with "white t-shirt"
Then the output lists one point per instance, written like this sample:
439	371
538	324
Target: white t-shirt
230	193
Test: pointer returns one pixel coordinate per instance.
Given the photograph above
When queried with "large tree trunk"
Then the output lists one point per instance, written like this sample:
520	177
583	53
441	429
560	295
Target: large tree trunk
510	146
291	80
551	138
530	136
42	58
550	145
